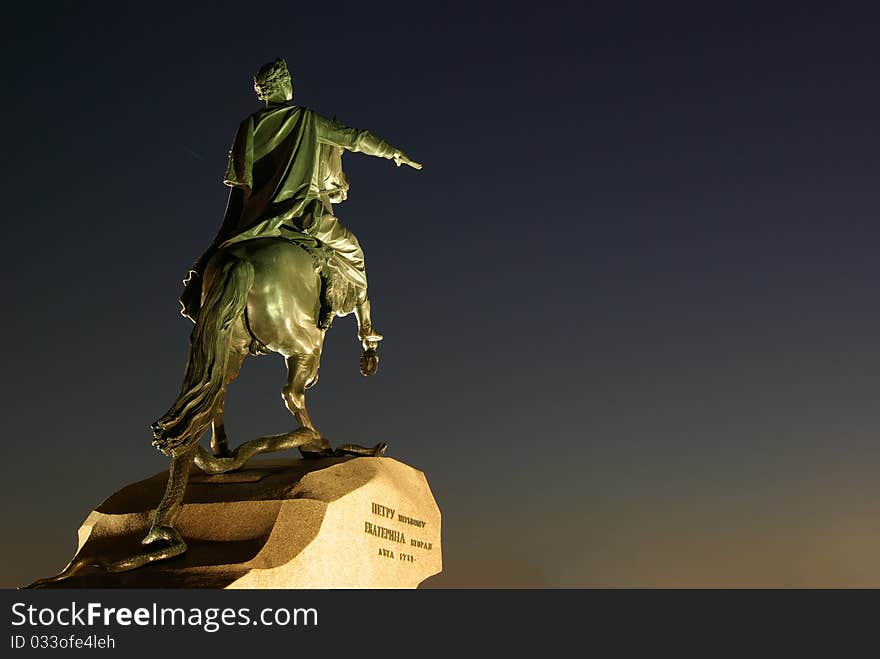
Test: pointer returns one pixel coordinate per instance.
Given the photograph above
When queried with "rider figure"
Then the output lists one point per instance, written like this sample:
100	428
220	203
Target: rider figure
285	173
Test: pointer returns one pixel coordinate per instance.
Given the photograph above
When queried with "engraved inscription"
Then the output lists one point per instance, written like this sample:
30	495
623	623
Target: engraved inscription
410	520
385	534
383	511
391	517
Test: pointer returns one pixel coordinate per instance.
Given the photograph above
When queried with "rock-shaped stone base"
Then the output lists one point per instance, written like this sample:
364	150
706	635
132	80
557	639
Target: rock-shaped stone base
359	522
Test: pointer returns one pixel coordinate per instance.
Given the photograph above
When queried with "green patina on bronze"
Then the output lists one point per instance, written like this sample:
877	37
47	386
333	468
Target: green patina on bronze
280	268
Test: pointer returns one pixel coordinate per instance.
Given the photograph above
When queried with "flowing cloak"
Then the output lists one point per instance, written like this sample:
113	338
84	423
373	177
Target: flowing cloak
273	160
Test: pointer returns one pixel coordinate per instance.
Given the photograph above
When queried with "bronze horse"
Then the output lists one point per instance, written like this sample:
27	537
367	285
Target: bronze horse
261	295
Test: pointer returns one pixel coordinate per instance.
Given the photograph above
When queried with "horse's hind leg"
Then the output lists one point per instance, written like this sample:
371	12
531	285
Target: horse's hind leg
219	441
169	507
238	350
163	541
302	370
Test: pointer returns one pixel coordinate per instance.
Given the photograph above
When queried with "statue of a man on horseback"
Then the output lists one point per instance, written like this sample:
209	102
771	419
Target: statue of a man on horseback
281	267
285	172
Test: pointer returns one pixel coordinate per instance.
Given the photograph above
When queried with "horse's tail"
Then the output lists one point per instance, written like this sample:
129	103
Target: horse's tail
204	378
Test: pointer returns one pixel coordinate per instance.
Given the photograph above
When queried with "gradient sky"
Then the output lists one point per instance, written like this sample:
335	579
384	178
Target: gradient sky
629	303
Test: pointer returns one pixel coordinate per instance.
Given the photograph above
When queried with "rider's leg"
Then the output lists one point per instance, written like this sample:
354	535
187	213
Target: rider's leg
350	256
345	245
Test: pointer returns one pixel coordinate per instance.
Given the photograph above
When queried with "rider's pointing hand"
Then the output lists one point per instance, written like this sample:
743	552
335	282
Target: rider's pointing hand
400	158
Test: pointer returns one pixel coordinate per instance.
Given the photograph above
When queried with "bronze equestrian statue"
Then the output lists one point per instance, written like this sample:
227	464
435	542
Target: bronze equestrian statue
280	269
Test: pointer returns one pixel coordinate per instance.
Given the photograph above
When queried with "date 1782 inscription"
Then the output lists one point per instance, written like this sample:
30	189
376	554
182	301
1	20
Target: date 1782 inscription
397	535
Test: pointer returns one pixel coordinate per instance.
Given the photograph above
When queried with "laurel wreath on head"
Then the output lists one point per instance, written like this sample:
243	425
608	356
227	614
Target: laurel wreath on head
270	78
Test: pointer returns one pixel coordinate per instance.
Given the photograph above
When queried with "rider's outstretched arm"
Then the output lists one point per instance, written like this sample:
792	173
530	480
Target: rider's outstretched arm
361	141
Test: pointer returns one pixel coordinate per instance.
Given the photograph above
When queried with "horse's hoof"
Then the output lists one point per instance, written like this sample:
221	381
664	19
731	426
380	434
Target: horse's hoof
369	362
161	543
165	534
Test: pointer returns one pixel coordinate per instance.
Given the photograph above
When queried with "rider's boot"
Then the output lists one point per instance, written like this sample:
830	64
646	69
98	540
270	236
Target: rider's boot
368	336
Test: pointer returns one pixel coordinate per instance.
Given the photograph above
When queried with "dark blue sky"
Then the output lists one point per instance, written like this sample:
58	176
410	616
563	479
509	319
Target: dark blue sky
629	303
